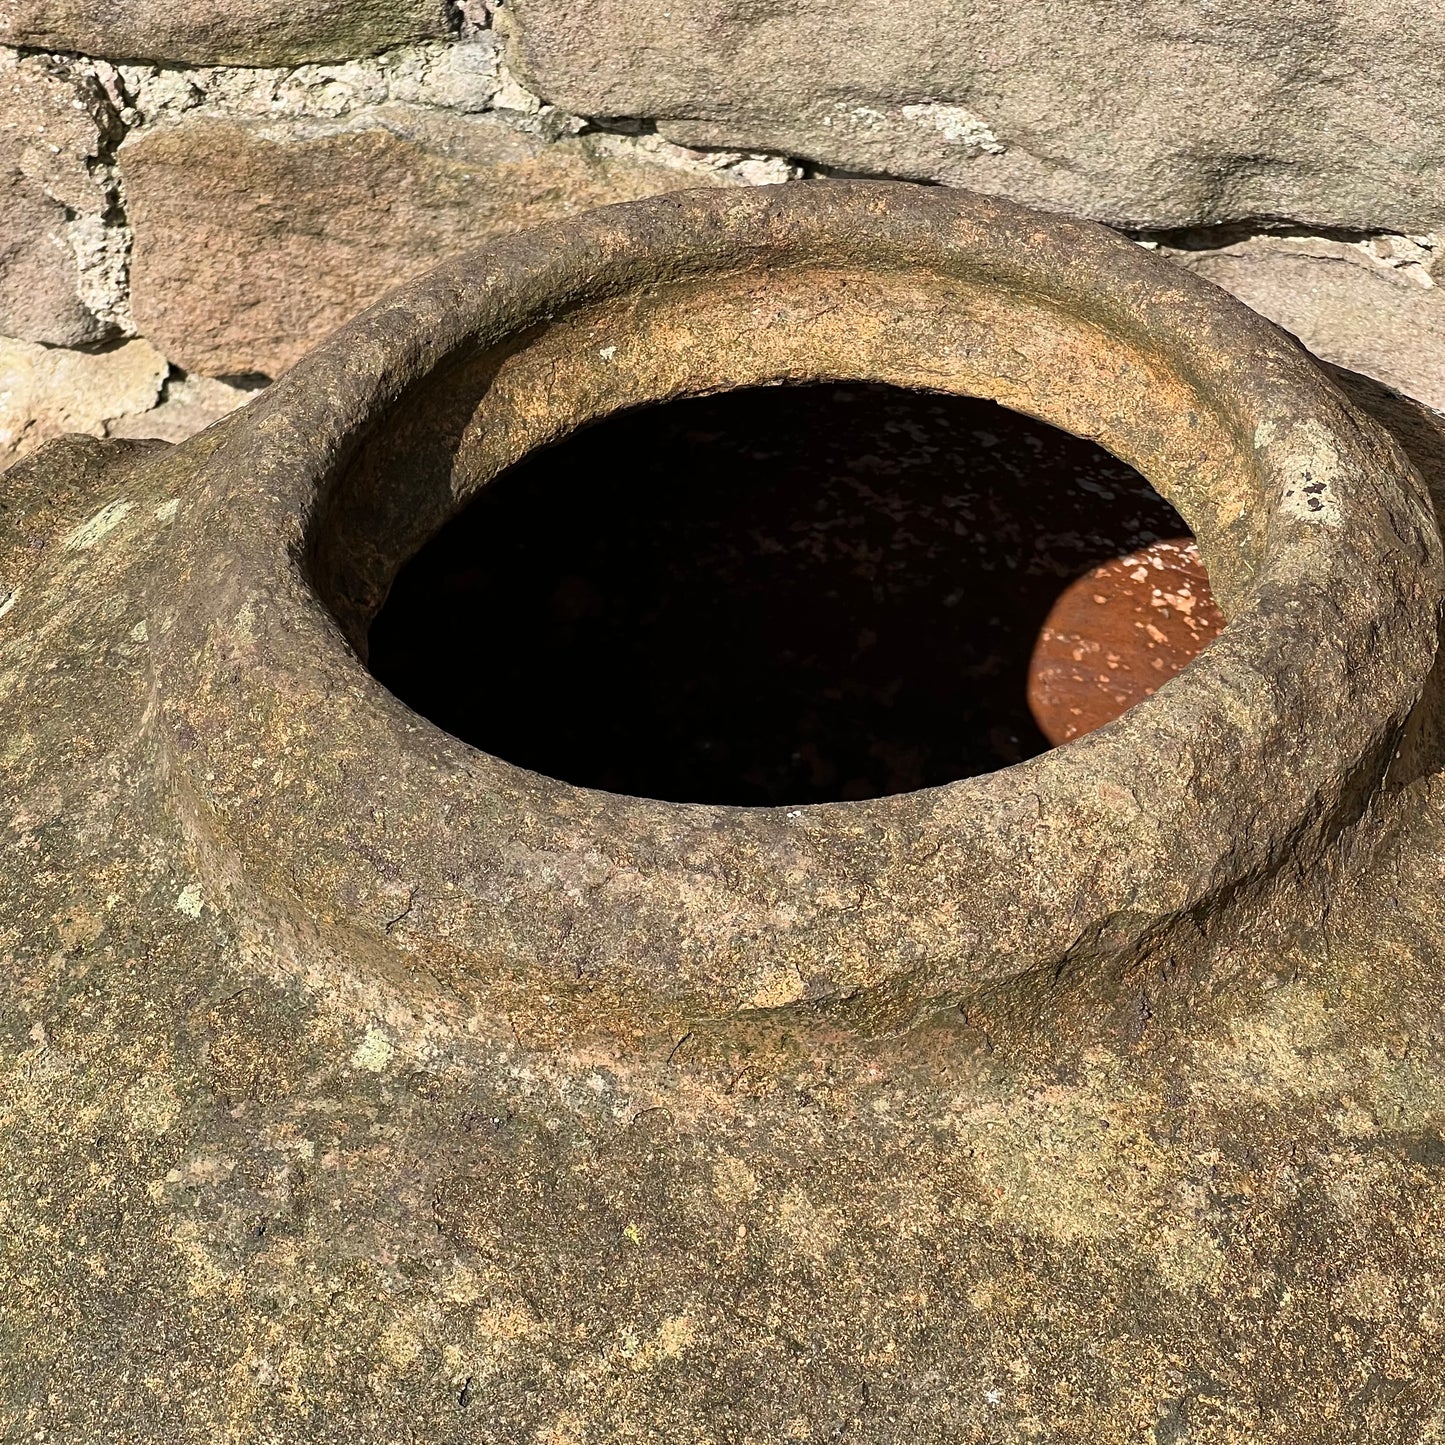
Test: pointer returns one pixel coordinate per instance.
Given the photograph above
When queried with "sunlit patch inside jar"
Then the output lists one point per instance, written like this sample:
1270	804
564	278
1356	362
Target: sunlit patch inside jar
1117	634
796	594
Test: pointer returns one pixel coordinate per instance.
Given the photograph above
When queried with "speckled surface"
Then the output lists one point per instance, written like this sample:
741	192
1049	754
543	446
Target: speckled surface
1117	634
300	1146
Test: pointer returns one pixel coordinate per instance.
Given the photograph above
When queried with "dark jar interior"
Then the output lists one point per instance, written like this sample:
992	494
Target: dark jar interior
795	594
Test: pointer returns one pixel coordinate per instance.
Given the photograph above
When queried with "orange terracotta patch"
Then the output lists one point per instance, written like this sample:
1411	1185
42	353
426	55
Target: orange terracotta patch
1117	635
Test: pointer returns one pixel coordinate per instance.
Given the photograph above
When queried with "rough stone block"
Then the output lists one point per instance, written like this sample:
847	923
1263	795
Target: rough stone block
187	405
1374	307
37	266
46	392
361	1088
253	241
55	124
236	32
1137	112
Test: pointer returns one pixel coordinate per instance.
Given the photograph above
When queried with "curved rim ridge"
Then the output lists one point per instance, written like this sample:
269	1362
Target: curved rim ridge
326	804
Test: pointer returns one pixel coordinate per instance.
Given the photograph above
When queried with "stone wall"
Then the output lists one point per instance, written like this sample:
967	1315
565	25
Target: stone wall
194	196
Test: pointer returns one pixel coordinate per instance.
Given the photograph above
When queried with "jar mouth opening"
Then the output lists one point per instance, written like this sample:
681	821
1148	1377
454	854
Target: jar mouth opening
788	595
1318	539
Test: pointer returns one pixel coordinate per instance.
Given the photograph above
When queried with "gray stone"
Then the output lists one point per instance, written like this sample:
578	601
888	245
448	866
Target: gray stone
235	32
56	123
253	241
1137	112
1373	306
441	74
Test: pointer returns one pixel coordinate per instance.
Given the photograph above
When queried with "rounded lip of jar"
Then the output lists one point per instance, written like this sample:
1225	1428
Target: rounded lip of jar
427	855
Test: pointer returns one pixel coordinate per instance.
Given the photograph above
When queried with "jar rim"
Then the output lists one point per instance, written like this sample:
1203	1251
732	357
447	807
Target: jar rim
331	809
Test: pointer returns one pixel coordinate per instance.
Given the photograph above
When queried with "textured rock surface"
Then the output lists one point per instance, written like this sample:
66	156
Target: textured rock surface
56	122
297	228
443	75
237	32
1377	308
1229	421
46	392
254	1190
186	405
1151	114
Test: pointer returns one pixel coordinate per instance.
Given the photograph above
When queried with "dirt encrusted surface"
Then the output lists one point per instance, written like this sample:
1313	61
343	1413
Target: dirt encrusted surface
1187	1191
1188	1206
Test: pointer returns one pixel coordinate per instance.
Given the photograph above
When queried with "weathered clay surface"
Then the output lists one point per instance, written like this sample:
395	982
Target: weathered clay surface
278	1172
55	122
236	32
299	227
46	392
1377	308
1143	114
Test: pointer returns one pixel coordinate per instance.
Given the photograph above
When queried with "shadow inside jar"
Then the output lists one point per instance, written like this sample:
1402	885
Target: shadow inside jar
795	594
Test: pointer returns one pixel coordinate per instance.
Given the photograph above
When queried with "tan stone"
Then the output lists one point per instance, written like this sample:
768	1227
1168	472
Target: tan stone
1374	308
46	392
253	241
55	121
188	405
37	266
237	32
1138	112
